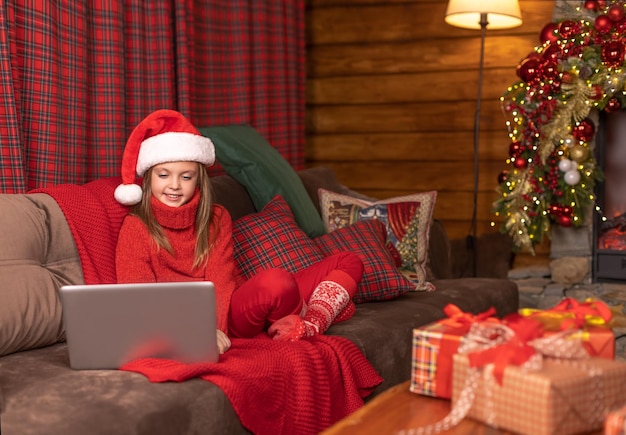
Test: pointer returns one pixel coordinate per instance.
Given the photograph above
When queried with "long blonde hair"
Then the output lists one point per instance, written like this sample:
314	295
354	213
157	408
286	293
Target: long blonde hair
203	221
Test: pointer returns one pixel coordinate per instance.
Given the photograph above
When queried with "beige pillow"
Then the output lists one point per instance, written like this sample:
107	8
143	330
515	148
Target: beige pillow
37	256
407	220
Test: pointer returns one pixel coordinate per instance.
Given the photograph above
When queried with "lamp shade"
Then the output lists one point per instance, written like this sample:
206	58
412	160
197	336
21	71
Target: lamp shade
501	14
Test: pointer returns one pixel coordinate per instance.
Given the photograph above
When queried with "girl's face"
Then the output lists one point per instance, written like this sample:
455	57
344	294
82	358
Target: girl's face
174	183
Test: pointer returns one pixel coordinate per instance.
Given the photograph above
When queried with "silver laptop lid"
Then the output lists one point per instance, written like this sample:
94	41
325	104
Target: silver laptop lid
109	325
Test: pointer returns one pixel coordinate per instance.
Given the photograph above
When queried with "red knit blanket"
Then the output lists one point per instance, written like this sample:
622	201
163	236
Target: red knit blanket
95	218
281	388
275	387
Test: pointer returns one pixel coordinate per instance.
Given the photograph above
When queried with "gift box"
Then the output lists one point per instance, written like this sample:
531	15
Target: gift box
433	348
431	367
591	320
561	397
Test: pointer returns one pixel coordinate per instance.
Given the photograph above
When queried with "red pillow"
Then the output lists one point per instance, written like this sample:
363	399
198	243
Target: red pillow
381	279
272	238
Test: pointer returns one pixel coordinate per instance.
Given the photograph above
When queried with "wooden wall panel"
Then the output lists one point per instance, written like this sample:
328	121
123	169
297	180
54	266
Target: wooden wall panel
417	57
391	100
424	146
399	88
406	117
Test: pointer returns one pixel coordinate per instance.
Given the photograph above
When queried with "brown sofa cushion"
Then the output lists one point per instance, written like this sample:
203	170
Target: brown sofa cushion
37	257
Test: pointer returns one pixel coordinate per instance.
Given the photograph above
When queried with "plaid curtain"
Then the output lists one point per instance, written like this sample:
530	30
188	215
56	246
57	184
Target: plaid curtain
76	76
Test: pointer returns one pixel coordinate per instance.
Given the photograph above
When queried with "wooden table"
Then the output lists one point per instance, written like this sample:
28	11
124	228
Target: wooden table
399	409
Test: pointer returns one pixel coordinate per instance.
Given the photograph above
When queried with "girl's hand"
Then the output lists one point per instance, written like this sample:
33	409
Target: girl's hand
223	342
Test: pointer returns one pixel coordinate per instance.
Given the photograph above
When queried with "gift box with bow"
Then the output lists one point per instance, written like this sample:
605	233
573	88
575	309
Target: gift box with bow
531	383
590	319
433	348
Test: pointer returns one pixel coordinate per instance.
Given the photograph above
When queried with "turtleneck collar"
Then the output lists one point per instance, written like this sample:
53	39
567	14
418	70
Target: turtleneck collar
176	218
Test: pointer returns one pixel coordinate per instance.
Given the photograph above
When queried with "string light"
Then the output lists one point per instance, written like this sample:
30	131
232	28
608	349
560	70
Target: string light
547	116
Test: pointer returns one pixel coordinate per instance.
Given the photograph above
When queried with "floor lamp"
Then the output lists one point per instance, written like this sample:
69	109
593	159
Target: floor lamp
483	15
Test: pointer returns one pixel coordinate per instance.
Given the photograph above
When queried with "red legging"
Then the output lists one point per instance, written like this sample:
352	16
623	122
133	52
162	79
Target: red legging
275	293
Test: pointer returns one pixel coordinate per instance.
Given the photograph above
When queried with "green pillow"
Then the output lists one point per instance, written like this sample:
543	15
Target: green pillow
247	157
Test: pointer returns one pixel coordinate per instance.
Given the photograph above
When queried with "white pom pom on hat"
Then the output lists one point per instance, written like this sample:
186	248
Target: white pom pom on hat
163	136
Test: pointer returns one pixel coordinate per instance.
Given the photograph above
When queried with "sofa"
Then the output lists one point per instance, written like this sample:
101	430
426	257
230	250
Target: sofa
40	393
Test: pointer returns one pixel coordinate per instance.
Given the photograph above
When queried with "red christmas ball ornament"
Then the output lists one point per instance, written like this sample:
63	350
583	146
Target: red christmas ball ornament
568	28
549	33
613	105
620	26
550	70
616	12
503	176
520	163
529	70
613	53
603	24
552	52
564	221
555	209
515	149
591	5
584	131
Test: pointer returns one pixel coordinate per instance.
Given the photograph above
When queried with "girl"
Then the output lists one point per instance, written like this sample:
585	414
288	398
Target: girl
176	233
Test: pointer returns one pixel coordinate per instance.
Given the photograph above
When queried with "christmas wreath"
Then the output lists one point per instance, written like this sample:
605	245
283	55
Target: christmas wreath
577	70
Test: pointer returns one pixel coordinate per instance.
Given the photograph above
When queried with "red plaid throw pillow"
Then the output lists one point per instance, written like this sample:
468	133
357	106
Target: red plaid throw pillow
272	238
381	278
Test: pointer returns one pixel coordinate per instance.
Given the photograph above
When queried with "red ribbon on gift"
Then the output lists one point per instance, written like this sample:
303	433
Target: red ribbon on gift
525	339
457	323
516	350
460	322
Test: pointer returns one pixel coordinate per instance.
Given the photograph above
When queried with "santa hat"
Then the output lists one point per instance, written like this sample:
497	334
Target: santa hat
163	136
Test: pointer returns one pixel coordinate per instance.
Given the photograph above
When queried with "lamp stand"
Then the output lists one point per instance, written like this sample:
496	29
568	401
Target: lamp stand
472	239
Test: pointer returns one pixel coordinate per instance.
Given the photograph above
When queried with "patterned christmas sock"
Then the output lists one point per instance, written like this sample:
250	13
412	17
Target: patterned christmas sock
328	301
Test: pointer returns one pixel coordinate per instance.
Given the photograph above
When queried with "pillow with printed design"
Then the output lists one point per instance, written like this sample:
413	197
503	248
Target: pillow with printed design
407	220
381	278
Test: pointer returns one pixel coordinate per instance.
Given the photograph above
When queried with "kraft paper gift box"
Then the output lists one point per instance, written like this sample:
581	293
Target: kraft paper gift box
591	318
433	348
562	397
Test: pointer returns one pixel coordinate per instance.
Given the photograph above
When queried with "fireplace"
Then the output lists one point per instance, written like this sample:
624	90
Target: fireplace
609	226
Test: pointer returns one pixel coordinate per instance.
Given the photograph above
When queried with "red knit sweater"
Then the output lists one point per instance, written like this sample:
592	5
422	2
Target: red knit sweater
139	260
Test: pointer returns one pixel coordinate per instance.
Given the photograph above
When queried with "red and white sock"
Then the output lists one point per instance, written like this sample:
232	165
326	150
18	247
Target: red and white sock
329	301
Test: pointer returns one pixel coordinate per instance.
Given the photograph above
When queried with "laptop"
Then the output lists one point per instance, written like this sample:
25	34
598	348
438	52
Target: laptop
111	324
